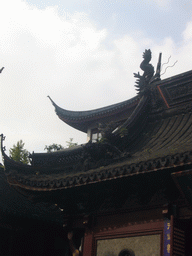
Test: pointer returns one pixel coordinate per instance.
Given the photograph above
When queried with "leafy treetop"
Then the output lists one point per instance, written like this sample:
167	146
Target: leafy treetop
18	153
53	147
70	143
56	147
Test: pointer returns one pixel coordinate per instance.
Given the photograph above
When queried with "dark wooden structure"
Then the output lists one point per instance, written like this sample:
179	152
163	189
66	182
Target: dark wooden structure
128	194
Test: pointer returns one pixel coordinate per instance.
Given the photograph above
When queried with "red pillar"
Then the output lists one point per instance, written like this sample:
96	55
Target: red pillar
88	244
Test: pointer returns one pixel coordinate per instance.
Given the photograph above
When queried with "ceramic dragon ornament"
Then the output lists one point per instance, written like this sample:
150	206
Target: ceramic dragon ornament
143	81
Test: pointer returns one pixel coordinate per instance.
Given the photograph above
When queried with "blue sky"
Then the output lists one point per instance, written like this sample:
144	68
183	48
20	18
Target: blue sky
158	19
83	55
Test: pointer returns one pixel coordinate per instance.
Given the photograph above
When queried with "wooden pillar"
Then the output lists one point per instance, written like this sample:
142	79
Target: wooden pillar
88	244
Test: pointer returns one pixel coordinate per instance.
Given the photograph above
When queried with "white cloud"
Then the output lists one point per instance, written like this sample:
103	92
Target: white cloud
46	54
187	34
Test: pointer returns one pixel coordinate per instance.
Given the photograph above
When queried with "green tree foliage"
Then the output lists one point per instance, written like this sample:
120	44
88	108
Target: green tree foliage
18	153
70	143
53	147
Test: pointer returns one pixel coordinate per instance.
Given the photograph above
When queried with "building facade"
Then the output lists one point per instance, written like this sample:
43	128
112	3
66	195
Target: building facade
127	193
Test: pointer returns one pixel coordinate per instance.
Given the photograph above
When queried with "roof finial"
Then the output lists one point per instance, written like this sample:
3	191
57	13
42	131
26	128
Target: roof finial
158	70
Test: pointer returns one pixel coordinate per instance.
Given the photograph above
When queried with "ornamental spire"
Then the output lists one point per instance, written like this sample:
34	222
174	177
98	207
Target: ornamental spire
1	69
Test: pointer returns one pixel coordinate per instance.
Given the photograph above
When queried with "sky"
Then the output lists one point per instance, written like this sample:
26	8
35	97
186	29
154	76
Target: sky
83	55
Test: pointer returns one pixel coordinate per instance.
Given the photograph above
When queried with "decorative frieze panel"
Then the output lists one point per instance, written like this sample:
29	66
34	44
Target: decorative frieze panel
174	94
178	91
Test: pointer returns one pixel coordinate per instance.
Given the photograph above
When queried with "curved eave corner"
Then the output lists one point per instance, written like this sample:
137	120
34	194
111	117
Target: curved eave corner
81	120
2	147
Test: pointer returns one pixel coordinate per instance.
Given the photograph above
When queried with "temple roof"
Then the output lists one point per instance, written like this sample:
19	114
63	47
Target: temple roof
158	136
153	141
